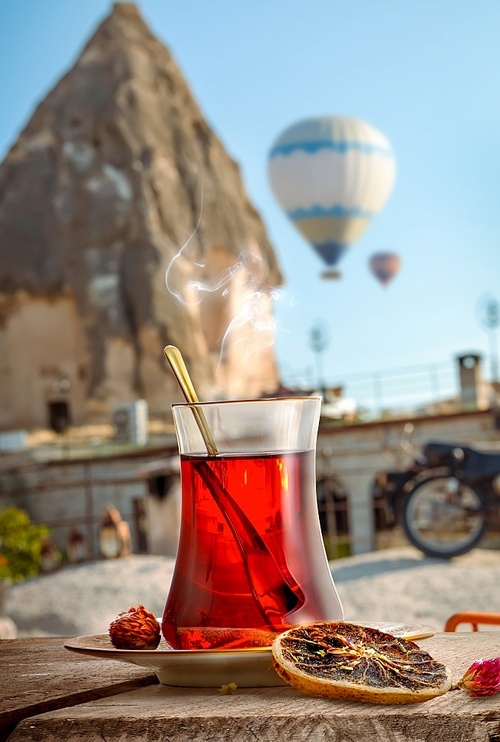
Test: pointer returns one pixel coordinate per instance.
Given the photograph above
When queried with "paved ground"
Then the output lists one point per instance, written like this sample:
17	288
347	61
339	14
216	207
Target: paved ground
392	585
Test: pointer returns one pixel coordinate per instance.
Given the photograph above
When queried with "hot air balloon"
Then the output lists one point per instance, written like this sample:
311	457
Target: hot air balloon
331	175
384	266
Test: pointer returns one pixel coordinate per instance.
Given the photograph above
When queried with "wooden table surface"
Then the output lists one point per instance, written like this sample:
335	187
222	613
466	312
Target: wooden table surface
39	675
49	693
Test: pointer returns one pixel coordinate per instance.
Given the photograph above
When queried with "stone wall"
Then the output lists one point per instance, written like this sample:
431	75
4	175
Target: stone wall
356	453
66	494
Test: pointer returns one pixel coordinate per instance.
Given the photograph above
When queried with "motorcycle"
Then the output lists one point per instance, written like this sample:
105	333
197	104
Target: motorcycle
445	500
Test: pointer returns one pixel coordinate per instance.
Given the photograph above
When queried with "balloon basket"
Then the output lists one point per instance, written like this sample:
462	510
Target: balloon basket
331	274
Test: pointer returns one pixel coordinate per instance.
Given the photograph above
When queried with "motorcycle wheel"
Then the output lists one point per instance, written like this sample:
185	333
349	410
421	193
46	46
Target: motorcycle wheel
443	517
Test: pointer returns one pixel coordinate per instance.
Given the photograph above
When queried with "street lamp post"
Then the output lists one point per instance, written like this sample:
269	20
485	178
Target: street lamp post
489	317
319	342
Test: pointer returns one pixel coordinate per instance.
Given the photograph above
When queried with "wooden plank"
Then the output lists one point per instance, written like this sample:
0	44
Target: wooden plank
282	713
39	675
272	714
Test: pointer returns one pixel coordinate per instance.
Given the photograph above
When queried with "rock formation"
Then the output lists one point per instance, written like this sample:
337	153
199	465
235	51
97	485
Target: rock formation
117	180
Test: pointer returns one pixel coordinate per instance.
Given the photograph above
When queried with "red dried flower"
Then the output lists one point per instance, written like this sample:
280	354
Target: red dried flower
136	628
482	678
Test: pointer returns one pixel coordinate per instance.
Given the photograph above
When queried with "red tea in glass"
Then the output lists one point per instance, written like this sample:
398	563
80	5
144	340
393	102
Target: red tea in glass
250	561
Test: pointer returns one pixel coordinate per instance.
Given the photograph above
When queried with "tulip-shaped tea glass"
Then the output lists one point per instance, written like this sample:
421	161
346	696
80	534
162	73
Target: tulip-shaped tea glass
251	561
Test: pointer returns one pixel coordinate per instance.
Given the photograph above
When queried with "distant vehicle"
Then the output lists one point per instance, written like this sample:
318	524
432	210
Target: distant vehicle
445	500
338	408
331	175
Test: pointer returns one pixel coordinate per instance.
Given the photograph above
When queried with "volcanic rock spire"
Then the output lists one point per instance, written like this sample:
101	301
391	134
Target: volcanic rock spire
115	172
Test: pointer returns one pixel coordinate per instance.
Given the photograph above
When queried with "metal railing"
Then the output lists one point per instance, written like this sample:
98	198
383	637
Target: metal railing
409	388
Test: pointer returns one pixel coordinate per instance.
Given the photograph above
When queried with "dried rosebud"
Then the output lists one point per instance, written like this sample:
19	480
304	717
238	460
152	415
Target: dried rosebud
482	678
136	628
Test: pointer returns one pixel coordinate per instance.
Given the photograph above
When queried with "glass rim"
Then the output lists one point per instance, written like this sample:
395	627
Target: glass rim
228	402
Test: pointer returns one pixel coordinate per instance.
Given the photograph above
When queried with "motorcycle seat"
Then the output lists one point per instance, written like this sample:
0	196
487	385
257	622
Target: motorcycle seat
481	464
474	464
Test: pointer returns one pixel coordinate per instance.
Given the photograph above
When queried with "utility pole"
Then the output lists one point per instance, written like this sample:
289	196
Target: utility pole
319	339
489	318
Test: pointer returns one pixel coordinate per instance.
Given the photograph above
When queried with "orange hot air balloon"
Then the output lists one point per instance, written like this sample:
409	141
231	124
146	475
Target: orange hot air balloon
384	266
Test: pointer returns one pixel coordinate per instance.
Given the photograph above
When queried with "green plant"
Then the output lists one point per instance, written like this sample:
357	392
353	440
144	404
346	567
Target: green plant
20	545
338	547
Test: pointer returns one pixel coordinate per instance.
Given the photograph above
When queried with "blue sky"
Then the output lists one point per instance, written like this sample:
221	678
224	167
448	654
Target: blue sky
426	74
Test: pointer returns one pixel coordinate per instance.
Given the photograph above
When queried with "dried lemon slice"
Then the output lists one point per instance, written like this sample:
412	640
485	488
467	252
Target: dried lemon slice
358	663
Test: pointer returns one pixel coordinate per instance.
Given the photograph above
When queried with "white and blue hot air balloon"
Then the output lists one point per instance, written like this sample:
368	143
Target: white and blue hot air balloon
331	175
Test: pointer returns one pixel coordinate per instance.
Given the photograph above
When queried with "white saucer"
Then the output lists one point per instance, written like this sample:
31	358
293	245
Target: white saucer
198	668
212	668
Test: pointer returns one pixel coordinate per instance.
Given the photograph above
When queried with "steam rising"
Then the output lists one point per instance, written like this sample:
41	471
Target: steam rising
248	298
